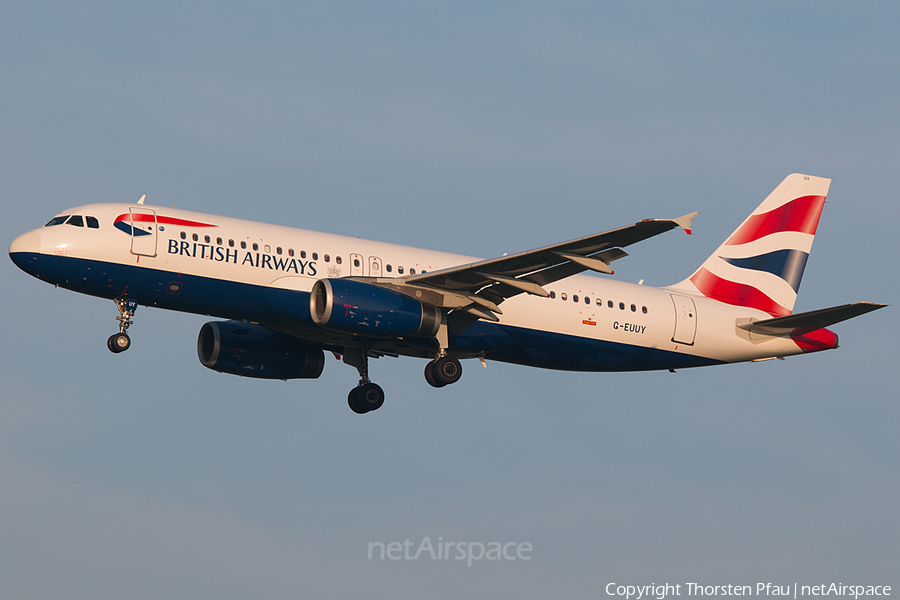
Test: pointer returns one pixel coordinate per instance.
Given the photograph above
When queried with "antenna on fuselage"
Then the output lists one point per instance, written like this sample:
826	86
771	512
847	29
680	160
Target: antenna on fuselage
141	201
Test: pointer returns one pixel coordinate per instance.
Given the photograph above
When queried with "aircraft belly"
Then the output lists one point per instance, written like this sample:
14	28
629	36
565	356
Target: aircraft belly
566	352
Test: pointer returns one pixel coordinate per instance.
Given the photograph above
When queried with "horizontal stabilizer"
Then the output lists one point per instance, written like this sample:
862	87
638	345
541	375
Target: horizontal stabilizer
802	323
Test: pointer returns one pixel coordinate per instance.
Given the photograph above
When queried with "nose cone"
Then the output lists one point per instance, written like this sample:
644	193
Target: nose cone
27	242
24	249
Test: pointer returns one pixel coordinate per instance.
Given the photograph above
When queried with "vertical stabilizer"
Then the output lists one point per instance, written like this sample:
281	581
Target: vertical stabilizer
761	263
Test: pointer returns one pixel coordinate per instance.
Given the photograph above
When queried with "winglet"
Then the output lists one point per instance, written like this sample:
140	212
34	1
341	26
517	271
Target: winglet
141	201
685	221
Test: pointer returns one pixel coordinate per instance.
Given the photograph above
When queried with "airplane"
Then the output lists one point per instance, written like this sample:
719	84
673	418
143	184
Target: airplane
287	296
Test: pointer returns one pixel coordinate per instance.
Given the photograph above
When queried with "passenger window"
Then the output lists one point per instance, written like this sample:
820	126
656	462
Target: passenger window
609	303
389	268
412	271
338	259
183	235
278	250
644	309
564	296
75	220
290	252
56	221
400	270
621	306
633	308
219	241
93	223
552	295
587	300
243	245
599	302
575	298
303	254
315	256
327	258
196	237
267	249
255	247
231	243
206	238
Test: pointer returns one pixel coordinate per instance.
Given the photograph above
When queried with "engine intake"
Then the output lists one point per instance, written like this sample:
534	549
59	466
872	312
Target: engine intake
365	309
251	351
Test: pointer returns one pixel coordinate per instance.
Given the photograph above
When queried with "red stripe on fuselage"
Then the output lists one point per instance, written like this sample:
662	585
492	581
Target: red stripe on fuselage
738	294
161	219
800	214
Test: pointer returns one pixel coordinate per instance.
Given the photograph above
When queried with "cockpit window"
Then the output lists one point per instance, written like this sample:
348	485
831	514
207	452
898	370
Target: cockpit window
75	220
93	223
56	221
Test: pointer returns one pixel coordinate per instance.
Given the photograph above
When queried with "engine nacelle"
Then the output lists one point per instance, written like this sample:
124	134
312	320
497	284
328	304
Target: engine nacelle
252	351
365	309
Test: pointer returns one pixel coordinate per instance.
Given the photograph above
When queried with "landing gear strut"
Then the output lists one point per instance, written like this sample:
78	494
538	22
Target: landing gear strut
366	396
120	342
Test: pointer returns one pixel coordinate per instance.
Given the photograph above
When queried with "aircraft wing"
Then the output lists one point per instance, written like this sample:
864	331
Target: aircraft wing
478	288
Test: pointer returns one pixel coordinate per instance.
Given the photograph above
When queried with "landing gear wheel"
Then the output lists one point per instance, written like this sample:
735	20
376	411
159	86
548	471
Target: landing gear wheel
365	398
354	403
429	376
118	342
446	370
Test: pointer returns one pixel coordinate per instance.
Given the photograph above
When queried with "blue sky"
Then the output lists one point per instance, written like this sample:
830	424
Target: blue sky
470	128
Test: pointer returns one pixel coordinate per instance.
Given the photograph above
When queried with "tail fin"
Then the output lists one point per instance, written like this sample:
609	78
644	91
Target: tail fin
761	263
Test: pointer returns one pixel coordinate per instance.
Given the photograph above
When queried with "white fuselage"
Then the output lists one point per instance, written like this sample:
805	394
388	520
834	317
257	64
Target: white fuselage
166	260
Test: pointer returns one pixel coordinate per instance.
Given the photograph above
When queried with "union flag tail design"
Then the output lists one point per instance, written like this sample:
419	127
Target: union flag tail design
761	263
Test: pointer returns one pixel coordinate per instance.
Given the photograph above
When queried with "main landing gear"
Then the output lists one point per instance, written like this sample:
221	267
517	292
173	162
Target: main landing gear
120	342
442	371
366	396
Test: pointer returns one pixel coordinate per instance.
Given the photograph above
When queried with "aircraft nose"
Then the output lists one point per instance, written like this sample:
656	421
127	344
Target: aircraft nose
27	242
24	249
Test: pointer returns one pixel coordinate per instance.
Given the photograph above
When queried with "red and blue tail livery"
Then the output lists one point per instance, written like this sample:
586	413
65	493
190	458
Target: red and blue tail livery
286	298
760	265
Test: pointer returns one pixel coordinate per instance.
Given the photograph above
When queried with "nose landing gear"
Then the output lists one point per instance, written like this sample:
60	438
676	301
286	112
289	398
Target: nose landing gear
120	342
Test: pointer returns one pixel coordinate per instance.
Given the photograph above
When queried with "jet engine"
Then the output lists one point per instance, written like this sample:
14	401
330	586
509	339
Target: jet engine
252	351
365	309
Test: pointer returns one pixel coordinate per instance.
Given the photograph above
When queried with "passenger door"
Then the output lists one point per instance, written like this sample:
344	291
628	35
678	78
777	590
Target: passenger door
685	320
143	232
